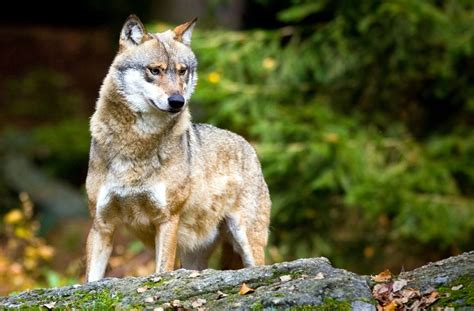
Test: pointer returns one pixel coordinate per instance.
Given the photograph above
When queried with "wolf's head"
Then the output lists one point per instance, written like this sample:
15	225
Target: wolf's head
155	72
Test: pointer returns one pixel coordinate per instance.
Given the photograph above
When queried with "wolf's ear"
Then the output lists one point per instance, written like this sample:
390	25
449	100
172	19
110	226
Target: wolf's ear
184	31
133	32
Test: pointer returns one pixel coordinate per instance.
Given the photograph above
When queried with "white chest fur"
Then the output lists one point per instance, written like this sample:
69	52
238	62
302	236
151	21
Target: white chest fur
131	197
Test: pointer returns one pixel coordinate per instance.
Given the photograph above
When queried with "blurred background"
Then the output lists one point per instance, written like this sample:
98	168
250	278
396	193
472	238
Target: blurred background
362	113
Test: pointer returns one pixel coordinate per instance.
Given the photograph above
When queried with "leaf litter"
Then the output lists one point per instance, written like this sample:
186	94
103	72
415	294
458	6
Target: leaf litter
394	295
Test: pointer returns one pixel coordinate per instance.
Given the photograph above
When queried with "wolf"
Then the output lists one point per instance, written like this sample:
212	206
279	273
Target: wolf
181	188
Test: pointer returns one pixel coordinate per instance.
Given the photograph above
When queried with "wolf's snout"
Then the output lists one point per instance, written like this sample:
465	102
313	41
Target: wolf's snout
176	101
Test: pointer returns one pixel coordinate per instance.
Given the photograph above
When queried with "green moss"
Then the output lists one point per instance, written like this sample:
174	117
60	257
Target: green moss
257	306
331	304
151	284
103	300
457	298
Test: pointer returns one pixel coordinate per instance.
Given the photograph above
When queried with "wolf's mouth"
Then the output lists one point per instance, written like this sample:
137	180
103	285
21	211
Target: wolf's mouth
172	110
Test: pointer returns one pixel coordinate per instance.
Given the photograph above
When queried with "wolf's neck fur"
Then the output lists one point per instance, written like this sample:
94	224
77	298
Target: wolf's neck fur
117	125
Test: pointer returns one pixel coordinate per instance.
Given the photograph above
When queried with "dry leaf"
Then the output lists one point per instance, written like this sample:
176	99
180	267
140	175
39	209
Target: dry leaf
399	284
244	289
431	298
149	299
410	293
382	276
392	306
319	276
198	303
50	305
221	295
285	278
381	289
176	303
194	274
142	289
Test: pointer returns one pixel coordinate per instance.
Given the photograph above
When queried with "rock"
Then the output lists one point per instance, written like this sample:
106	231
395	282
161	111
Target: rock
441	272
219	290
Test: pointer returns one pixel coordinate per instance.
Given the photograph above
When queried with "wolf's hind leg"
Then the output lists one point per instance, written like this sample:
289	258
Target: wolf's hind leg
240	241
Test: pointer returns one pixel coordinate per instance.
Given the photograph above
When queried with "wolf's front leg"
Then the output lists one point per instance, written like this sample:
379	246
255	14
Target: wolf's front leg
165	244
99	247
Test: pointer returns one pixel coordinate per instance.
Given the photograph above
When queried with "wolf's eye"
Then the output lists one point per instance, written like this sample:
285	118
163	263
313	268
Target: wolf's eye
182	71
154	70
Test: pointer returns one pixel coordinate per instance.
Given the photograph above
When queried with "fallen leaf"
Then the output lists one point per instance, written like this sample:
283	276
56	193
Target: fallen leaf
319	276
410	293
392	306
194	274
244	289
381	293
431	298
149	299
381	288
285	278
198	303
50	305
457	287
142	289
221	295
399	284
176	303
382	276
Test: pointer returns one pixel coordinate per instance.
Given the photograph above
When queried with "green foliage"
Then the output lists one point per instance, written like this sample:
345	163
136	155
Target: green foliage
361	121
41	95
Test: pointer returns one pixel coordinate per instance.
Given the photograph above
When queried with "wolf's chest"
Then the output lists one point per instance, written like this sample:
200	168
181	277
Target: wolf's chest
133	193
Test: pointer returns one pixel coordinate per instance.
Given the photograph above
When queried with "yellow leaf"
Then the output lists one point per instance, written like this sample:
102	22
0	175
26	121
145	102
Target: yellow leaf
13	217
30	252
23	233
392	306
214	77
244	289
269	63
46	252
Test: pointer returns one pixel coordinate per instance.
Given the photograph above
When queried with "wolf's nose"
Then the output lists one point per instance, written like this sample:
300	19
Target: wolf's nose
176	101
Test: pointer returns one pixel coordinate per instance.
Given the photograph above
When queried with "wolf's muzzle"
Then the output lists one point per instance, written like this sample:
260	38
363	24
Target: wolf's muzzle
176	101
